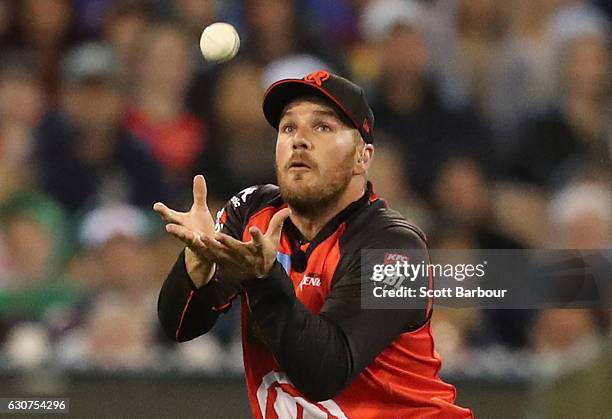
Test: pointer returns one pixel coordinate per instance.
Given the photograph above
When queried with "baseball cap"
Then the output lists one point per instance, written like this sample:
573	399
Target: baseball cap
346	96
381	16
112	220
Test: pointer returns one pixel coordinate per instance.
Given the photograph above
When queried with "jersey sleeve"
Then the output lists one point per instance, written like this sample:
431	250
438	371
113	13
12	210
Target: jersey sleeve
323	353
186	311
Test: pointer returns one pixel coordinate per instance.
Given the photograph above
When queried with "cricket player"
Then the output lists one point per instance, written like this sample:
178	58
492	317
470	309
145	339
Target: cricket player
292	253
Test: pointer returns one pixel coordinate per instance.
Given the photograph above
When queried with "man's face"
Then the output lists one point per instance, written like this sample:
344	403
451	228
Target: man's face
315	155
95	105
405	55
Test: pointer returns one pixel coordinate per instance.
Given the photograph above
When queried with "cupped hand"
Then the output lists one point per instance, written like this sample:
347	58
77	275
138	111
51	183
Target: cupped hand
191	227
252	259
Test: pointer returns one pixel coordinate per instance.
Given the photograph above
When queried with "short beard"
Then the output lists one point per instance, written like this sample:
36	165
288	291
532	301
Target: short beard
313	200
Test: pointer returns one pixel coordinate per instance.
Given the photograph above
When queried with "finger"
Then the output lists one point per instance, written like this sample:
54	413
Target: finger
202	250
167	214
199	191
276	224
192	240
199	242
219	251
258	237
213	245
232	243
182	233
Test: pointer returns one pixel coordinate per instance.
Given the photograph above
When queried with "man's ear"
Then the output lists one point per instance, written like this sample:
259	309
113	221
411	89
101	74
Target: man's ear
364	158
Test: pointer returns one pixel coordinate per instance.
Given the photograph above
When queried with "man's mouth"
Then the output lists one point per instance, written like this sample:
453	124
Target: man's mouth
298	165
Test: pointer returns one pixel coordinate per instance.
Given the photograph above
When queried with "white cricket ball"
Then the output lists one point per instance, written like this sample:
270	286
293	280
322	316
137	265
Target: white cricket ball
219	42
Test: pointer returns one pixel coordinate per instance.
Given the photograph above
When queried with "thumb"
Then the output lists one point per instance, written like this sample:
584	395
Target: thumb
276	224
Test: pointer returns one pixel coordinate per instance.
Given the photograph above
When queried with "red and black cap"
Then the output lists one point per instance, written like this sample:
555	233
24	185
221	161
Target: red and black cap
345	95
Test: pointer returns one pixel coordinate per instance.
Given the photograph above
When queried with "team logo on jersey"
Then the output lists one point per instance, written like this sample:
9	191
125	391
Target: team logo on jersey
392	258
242	196
237	200
288	403
220	219
310	280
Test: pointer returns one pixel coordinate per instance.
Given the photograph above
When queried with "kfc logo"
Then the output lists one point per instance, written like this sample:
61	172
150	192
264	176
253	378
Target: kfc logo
392	258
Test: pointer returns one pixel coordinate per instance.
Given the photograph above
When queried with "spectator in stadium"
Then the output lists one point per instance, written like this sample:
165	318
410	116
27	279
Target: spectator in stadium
465	208
123	21
466	37
239	134
580	218
520	211
573	346
576	132
407	105
114	265
118	238
35	288
158	114
21	107
45	28
521	80
117	264
275	28
116	334
84	155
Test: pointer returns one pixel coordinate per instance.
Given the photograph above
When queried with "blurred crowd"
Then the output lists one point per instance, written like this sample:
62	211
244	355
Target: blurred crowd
493	130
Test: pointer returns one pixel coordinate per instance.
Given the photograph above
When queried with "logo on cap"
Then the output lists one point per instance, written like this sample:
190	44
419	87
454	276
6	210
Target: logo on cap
317	77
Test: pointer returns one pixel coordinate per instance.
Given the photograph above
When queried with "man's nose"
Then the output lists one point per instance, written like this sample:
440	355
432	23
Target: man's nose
301	140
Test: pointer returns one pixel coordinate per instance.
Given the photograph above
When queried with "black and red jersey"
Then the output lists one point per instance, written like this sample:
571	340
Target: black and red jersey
310	350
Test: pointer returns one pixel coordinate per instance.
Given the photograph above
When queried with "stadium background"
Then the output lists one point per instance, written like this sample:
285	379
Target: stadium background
493	130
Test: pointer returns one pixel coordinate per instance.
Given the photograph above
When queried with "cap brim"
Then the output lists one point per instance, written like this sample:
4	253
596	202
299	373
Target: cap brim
283	92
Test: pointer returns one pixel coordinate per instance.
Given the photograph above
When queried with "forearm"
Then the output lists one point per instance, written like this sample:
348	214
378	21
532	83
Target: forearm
199	270
186	311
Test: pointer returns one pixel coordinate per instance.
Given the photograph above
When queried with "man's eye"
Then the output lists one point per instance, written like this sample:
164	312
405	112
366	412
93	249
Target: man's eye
323	128
287	129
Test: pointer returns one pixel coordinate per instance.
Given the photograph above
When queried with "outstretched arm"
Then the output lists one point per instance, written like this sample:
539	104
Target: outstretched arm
191	298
